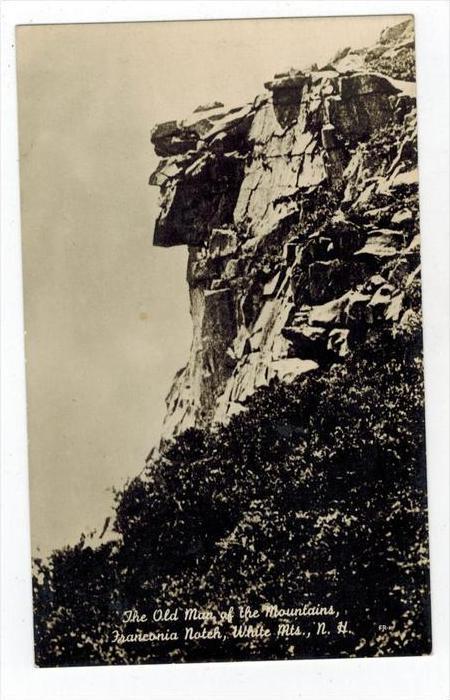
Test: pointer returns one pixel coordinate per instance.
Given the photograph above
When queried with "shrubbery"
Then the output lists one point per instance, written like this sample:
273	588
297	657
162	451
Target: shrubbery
401	65
315	494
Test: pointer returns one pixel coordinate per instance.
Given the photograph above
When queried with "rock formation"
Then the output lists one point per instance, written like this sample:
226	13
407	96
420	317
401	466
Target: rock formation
300	213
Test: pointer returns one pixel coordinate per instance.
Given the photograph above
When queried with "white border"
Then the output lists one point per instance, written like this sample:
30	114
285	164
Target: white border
420	678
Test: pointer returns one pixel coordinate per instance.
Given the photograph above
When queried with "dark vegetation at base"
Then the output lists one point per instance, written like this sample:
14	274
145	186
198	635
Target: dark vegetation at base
316	494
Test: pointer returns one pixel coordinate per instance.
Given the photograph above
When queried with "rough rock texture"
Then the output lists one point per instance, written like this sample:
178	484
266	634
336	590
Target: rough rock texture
300	213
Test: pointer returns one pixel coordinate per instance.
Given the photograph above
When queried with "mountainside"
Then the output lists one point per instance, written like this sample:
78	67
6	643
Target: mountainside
284	514
300	214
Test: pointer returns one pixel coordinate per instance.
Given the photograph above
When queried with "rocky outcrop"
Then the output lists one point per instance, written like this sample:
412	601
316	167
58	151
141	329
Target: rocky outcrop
300	214
393	54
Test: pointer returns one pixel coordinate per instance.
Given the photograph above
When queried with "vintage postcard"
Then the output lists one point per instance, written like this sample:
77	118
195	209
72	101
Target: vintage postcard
221	256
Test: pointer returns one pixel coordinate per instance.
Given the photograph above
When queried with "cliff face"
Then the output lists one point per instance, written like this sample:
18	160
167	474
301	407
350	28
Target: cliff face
300	214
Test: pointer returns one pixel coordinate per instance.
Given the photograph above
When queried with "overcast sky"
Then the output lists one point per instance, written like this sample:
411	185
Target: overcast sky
106	313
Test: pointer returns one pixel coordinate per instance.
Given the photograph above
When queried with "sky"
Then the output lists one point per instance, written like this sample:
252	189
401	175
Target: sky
107	313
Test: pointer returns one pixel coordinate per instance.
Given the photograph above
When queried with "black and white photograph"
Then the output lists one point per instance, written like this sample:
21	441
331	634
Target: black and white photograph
227	401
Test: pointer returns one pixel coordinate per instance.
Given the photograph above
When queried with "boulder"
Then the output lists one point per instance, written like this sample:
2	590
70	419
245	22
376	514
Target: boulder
329	314
347	237
317	247
222	242
328	278
365	84
235	123
338	342
404	179
233	268
286	81
403	104
402	268
355	310
395	308
399	31
167	169
372	284
381	243
290	369
378	304
208	107
402	217
307	341
410	321
170	139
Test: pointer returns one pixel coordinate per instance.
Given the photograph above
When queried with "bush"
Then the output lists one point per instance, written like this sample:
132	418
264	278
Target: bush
316	493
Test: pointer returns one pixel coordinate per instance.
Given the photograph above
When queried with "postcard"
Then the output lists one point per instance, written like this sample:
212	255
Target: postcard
222	293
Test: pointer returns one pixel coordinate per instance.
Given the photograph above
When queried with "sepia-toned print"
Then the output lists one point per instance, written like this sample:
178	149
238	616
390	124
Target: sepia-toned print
255	263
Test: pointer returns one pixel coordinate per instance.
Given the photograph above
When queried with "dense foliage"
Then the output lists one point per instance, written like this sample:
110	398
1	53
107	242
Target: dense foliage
316	494
400	64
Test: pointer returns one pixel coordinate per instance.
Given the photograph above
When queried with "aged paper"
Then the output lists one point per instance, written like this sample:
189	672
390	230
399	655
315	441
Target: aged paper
224	368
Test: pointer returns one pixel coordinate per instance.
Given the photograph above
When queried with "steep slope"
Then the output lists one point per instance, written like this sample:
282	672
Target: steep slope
300	214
